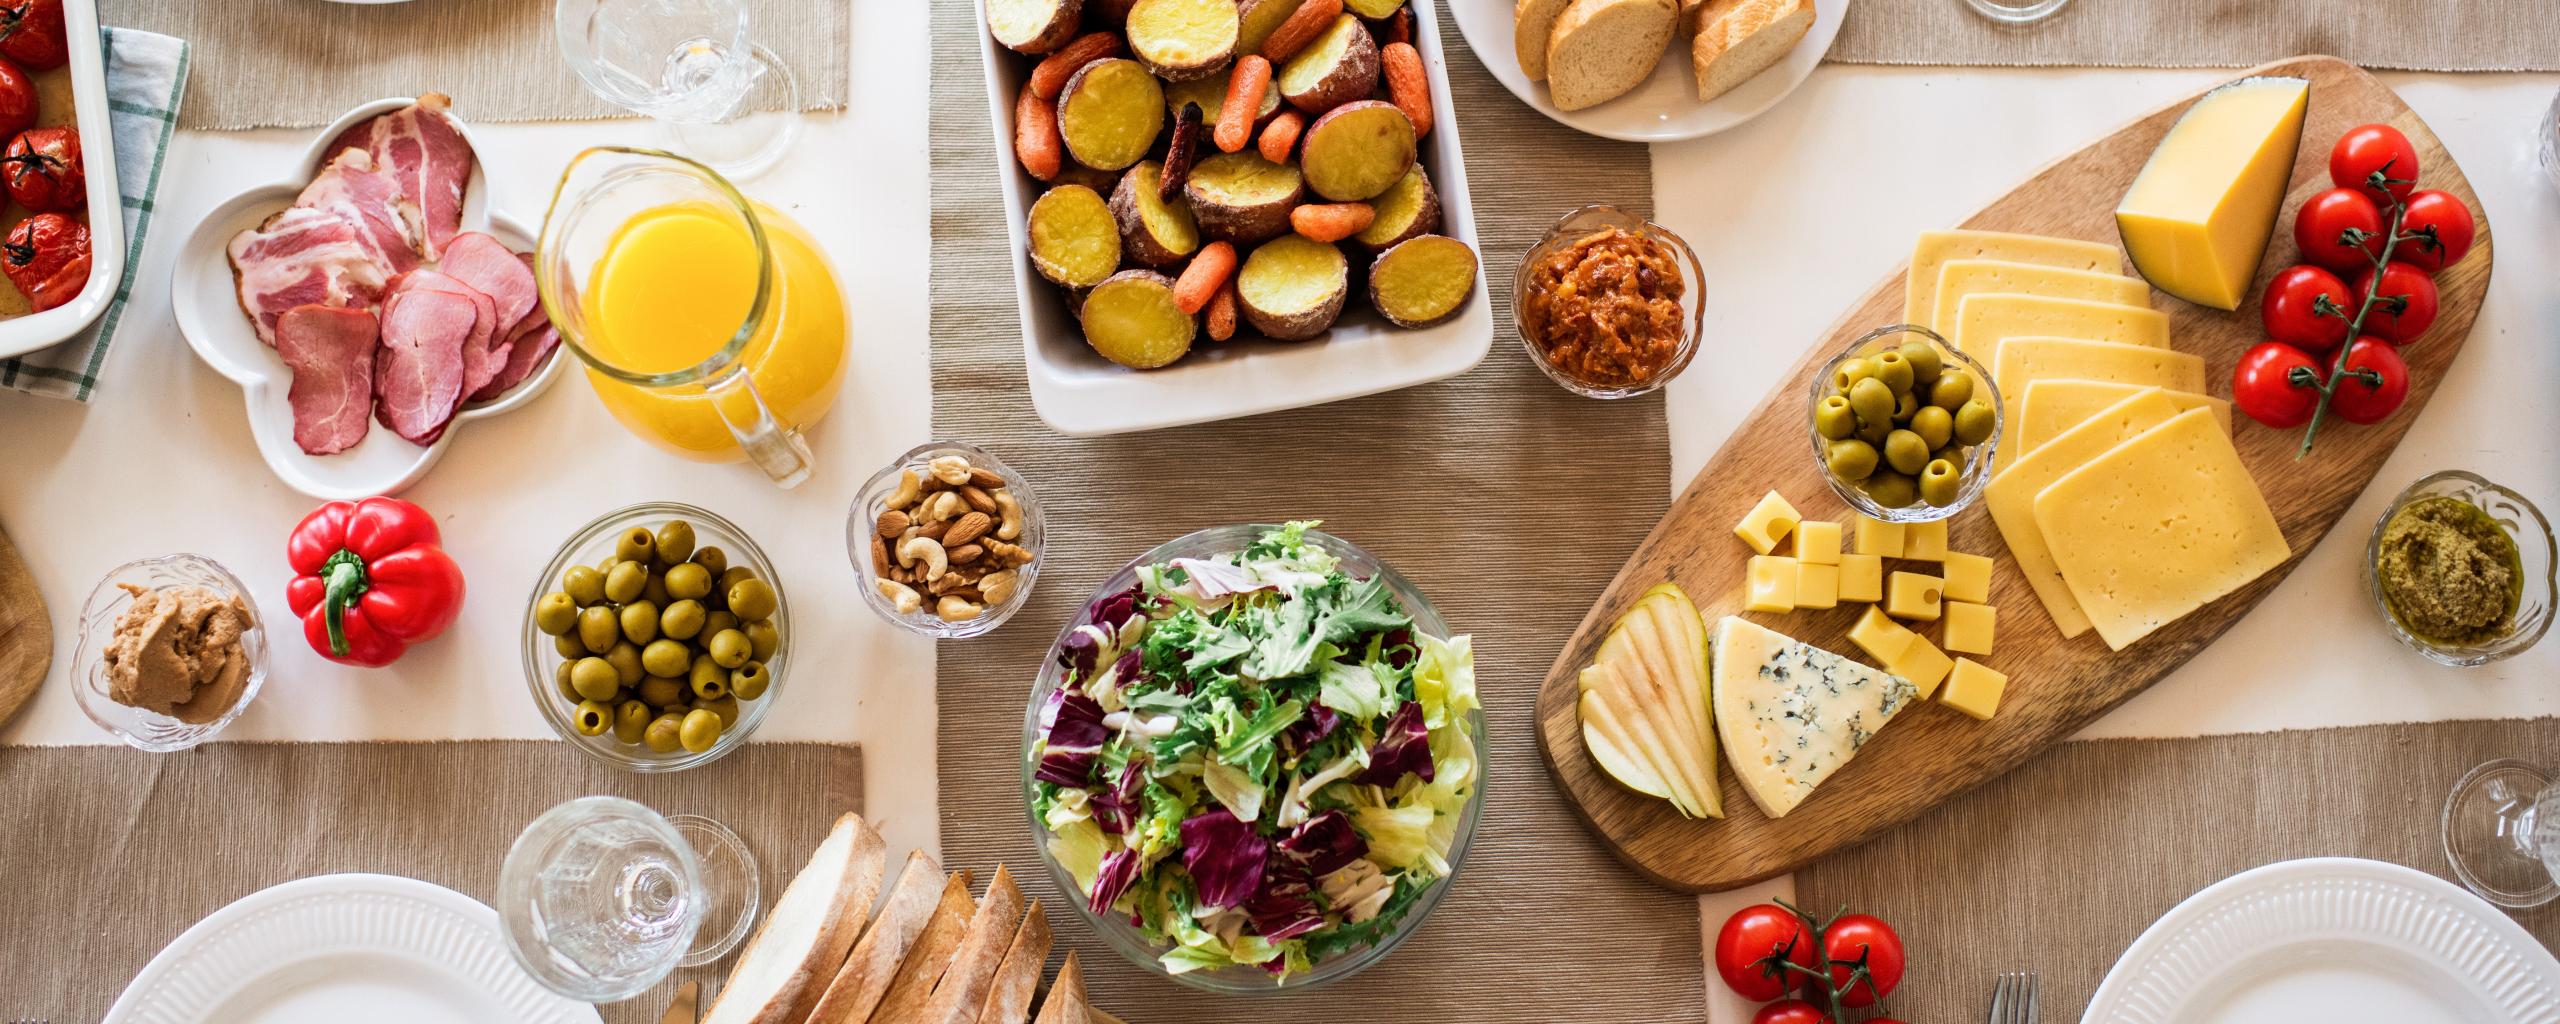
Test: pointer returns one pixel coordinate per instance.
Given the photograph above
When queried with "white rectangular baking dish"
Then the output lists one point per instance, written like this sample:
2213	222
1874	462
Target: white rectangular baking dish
1083	394
106	206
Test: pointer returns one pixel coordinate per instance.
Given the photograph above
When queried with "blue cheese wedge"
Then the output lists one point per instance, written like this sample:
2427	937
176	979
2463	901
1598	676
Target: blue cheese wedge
1792	714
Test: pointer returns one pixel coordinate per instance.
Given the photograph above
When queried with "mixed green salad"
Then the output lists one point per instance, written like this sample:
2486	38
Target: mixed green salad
1256	757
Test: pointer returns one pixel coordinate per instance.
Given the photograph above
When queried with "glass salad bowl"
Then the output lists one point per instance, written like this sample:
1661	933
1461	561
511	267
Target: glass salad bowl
1118	927
1977	469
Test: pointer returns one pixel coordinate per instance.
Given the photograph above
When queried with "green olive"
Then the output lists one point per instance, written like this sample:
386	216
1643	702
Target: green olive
655	591
595	679
699	730
1933	424
561	679
716	621
555	614
1953	389
599	629
711	559
675	541
1852	459
688	581
748	681
665	733
625	659
636	545
1939	482
1905	452
570	646
625	581
752	600
1833	420
725	707
1895	373
665	657
591	718
661	691
1974	422
631	720
682	619
766	638
1872	401
729	648
730	577
583	585
1891	490
705	668
1874	433
640	621
1924	361
1952	455
1904	405
1845	377
712	686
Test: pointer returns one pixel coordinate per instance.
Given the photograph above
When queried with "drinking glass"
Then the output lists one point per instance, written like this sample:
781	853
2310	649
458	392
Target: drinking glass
691	65
2502	833
2017	12
601	897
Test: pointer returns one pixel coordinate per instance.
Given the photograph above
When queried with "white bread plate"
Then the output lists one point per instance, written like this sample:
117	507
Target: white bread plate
1083	394
21	335
207	304
1665	108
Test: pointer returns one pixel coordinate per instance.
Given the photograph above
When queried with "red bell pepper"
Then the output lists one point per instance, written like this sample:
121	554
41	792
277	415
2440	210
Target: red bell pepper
370	580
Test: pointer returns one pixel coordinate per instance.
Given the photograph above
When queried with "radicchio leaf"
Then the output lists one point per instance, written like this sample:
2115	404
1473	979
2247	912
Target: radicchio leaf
1119	869
1324	843
1398	647
1320	721
1115	807
1110	610
1285	908
1076	733
1404	746
1080	653
1224	857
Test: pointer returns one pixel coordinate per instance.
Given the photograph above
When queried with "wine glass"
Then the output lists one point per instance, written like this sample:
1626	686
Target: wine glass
2549	137
2502	833
691	65
2017	12
601	897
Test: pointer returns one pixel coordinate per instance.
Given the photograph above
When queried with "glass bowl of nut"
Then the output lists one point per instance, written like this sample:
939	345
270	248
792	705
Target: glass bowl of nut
947	540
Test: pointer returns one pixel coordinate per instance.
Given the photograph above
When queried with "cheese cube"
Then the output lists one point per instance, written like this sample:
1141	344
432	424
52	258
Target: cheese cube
1878	538
1969	626
1818	543
1861	578
1883	639
2197	218
1923	664
1817	586
1773	584
1968	577
1768	523
1912	596
1974	689
1925	542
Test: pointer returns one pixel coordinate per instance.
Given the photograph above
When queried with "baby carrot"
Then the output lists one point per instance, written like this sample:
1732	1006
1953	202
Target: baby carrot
1222	312
1209	269
1244	99
1408	85
1035	135
1303	26
1331	222
1049	78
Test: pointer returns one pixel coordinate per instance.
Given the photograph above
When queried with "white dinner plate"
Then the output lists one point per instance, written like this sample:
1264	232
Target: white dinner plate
1665	108
2331	939
336	948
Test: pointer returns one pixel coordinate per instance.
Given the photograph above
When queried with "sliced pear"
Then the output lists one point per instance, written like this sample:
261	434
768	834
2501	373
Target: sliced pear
1651	677
1645	741
1607	739
1655	672
1685	639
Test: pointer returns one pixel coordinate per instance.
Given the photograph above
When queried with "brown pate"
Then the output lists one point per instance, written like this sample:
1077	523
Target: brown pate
178	651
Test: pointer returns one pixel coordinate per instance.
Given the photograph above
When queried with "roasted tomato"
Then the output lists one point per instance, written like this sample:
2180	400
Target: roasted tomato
1756	944
2367	150
2374	384
2320	230
17	100
2264	384
2443	227
42	170
2407	306
47	257
2306	307
1862	940
31	33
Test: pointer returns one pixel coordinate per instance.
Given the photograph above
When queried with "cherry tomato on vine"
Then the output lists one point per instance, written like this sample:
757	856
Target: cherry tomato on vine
2262	385
1752	944
2407	306
2360	402
2291	309
2366	149
2444	227
2328	215
1862	937
1790	1011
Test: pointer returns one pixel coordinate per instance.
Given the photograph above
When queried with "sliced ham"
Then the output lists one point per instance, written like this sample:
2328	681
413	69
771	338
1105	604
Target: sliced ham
354	186
424	151
419	372
331	352
484	354
485	263
300	257
531	341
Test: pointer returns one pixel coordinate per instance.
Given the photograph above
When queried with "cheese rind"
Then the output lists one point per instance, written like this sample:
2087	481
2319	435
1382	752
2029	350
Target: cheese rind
2197	217
1792	714
1960	278
2011	496
1984	322
1935	249
2024	361
2052	405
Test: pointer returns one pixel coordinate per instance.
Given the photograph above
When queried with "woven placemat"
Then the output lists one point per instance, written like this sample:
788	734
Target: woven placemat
2470	35
2056	867
1507	500
111	852
300	63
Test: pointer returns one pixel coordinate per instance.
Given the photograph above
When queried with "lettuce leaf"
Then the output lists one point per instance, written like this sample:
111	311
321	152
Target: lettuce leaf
1399	837
1353	689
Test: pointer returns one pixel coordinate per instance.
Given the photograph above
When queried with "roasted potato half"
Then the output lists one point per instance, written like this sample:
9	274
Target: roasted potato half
1292	288
1243	198
1338	67
1422	280
1152	231
1184	39
1033	26
1357	151
1110	114
1073	239
1409	207
1132	319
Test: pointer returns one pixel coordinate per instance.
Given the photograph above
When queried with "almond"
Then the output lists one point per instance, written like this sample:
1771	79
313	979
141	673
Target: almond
967	528
879	557
978	499
892	523
936	531
965	554
985	478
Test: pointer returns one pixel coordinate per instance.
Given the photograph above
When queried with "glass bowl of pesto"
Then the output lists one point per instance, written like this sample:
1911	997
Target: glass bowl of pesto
2462	570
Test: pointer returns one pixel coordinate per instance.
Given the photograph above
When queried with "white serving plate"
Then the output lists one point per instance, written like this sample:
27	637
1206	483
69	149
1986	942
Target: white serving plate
336	948
1665	108
1083	394
21	335
207	304
2331	939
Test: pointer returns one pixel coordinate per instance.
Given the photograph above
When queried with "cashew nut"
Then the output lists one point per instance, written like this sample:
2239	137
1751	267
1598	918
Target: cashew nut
950	469
998	586
945	505
927	550
898	547
910	487
953	609
1011	529
900	595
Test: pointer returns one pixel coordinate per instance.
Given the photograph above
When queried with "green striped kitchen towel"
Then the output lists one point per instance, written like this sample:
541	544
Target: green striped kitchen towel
146	76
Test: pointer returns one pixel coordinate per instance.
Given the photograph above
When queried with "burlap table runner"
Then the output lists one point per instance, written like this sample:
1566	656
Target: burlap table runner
2056	867
1507	500
300	63
111	852
2469	35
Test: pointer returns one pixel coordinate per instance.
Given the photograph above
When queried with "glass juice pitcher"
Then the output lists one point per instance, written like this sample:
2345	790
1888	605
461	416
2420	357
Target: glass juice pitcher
710	323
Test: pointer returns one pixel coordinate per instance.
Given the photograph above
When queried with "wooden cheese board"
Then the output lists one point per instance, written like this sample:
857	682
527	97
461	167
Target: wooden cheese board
2056	686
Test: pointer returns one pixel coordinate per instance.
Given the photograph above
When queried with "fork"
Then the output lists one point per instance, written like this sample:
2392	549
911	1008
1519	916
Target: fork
2013	998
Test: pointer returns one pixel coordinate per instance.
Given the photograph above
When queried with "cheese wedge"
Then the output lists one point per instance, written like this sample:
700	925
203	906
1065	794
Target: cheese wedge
1982	321
1793	714
2023	361
2053	405
2159	526
1938	248
2197	218
1960	278
2011	495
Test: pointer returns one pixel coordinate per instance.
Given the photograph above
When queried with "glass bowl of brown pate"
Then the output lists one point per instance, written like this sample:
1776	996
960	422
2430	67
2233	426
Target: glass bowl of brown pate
1609	304
2436	570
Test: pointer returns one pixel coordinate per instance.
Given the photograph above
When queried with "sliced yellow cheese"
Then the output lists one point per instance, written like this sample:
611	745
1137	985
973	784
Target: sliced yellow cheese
1925	542
2197	218
2011	495
2051	405
1960	278
1983	321
2023	361
2158	526
1938	248
1879	538
1913	596
1882	638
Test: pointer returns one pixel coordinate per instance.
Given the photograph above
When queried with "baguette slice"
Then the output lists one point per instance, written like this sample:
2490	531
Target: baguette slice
1018	978
1600	49
804	939
1532	22
1065	1003
1738	41
929	955
962	993
865	976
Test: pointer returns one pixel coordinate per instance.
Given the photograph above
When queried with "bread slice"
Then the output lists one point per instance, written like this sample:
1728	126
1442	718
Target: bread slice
962	993
1744	39
786	966
865	976
1532	21
1018	978
1065	1003
929	956
1600	49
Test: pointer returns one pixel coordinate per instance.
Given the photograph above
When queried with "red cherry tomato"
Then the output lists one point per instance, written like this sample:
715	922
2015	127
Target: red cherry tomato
1752	945
1790	1011
2444	228
2306	307
2263	385
2368	149
17	99
2407	306
1862	939
42	170
2326	217
2362	401
32	33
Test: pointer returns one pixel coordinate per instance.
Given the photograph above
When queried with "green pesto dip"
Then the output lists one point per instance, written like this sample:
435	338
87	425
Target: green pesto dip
2449	572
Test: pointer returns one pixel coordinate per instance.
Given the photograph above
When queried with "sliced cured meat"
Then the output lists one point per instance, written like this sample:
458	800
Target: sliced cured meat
303	256
483	354
419	370
331	352
487	264
353	185
528	343
424	151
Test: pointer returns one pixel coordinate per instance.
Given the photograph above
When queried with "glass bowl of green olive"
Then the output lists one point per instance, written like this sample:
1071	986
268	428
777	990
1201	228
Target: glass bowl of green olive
656	639
1904	425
